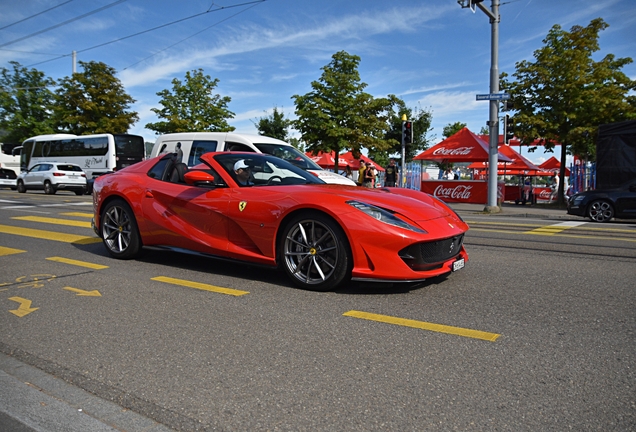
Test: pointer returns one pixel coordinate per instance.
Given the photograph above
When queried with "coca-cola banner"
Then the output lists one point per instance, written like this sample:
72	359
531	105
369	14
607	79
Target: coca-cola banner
461	191
544	194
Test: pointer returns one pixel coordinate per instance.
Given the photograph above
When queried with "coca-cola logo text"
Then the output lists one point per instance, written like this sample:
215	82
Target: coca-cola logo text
457	192
460	151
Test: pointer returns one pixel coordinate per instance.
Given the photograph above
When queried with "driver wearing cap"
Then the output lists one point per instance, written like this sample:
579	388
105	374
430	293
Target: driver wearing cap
242	171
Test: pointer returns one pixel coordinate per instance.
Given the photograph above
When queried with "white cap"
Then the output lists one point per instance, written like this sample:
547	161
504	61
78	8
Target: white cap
240	164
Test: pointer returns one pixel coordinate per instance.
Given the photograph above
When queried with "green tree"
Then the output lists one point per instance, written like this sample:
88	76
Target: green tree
275	125
93	101
452	128
564	95
421	125
192	106
25	103
337	114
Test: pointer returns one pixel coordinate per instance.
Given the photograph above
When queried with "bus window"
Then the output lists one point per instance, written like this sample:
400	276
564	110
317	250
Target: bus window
129	149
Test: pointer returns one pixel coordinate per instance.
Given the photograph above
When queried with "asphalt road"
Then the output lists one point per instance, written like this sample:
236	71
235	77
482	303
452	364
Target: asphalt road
536	333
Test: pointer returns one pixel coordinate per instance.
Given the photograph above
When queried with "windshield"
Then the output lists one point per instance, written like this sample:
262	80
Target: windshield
290	154
255	169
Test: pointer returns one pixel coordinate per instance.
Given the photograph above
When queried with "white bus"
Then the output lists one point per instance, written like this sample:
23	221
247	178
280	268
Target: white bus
9	166
96	154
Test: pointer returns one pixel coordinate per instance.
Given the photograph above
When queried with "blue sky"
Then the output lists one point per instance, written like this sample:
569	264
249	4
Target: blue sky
433	54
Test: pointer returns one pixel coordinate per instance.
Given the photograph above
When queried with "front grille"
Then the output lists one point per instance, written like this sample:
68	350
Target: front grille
431	255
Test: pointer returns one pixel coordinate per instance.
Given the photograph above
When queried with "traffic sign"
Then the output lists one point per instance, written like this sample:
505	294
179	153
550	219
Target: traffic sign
493	96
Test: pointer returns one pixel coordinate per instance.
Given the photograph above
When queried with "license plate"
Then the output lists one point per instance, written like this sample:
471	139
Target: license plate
458	265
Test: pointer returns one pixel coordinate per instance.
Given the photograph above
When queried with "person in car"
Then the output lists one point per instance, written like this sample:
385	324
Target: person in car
242	171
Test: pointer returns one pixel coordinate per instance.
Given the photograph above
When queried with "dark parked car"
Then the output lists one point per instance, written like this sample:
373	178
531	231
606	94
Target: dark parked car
601	205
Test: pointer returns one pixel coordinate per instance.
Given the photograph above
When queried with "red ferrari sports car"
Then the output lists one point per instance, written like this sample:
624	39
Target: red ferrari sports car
261	209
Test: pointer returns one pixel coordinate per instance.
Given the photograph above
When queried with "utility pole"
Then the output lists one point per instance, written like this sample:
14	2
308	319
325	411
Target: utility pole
74	61
402	180
493	121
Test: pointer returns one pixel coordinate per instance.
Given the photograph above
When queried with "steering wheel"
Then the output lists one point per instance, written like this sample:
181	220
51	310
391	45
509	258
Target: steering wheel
271	180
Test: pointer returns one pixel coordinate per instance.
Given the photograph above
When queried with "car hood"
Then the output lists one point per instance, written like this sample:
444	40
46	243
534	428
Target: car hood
415	205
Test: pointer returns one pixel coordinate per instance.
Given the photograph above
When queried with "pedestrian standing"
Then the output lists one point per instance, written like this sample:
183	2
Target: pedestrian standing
391	174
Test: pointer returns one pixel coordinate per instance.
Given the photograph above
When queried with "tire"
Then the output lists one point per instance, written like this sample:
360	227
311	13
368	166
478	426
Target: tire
80	192
21	187
314	252
119	230
48	188
600	211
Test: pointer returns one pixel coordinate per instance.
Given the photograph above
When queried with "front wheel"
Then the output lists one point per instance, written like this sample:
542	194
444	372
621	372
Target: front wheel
21	187
315	253
600	211
119	230
48	188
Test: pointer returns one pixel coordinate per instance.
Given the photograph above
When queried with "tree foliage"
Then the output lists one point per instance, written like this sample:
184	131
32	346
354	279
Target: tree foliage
192	106
25	103
564	95
452	128
275	125
421	126
338	115
93	101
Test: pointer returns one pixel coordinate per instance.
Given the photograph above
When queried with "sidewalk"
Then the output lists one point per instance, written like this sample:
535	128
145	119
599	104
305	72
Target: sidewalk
33	401
541	211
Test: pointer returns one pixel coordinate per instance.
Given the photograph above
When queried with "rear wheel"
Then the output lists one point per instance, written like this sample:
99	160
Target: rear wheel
48	188
80	192
600	211
119	230
21	187
315	253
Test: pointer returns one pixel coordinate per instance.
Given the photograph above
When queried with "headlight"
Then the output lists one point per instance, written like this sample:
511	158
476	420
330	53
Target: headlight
384	216
576	200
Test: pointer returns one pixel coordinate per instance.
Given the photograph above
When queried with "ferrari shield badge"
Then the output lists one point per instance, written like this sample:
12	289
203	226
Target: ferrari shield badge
242	205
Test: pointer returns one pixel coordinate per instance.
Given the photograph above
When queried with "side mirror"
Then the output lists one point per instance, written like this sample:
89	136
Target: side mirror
199	178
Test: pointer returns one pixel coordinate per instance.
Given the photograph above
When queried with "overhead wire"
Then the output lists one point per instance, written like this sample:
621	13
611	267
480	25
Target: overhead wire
151	29
63	23
192	35
37	14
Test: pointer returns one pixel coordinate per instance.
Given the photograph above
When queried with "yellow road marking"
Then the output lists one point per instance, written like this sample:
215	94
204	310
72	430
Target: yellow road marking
554	229
78	263
24	308
9	251
475	334
48	235
80	292
200	286
581	228
78	214
54	221
587	237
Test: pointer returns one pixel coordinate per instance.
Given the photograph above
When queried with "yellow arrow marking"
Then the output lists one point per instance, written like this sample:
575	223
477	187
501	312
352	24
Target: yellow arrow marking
54	221
80	292
200	286
475	334
9	251
78	263
25	307
48	235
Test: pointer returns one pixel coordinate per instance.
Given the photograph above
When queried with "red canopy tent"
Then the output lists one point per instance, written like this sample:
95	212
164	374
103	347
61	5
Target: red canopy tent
464	146
553	165
519	165
328	160
355	163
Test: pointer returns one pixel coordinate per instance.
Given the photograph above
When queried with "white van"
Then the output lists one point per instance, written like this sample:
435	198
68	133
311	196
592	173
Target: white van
194	144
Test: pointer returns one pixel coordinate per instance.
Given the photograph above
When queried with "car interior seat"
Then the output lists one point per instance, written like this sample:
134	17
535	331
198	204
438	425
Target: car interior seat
178	172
